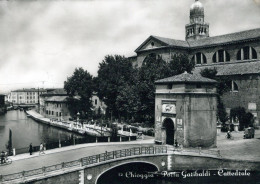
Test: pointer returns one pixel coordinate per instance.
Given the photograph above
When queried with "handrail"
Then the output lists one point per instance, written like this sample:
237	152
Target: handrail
87	161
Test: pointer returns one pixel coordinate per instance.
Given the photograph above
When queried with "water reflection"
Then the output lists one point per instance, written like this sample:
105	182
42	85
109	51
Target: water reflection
25	131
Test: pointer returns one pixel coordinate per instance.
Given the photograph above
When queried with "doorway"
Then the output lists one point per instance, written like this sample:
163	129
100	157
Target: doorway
169	129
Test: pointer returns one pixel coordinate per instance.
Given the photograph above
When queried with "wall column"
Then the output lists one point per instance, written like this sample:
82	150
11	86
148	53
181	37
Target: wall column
217	60
242	54
250	52
224	55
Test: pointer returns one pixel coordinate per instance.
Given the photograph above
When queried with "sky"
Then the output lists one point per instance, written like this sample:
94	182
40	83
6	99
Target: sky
42	42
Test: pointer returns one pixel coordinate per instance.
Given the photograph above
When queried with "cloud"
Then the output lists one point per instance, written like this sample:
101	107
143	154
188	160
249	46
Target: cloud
46	40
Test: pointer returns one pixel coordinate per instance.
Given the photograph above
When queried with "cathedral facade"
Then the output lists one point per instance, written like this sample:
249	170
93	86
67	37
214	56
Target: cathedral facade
235	56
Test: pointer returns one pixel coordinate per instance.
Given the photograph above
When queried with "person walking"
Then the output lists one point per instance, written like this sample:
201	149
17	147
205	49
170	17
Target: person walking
31	149
41	149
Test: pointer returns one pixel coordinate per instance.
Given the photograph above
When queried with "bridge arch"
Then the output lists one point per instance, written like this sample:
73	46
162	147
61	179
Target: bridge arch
153	167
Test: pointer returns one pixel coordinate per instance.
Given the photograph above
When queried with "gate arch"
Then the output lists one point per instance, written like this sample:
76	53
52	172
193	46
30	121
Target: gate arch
168	125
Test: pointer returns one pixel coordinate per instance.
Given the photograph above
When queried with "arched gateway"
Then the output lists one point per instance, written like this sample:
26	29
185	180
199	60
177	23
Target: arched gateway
185	111
168	125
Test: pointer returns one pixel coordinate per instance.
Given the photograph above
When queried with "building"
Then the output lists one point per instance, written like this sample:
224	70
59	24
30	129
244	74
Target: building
56	107
185	111
53	104
26	96
98	105
234	55
49	93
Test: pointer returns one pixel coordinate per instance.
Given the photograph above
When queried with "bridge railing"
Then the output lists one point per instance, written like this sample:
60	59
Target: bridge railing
198	150
86	161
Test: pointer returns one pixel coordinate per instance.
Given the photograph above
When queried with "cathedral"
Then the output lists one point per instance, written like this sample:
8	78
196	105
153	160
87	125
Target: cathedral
234	55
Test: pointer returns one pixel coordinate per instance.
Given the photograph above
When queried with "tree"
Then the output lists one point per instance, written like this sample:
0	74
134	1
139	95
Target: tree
129	92
180	63
151	70
246	119
222	86
115	72
81	84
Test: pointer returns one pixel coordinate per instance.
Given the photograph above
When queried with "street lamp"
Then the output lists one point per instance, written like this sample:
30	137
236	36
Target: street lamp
78	114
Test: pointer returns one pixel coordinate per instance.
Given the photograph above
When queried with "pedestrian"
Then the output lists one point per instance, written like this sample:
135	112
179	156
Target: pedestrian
31	149
41	149
44	146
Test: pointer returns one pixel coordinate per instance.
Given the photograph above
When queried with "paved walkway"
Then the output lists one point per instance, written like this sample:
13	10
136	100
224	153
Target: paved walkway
66	154
239	148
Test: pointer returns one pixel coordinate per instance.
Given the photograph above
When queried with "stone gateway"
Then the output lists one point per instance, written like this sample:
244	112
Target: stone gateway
185	111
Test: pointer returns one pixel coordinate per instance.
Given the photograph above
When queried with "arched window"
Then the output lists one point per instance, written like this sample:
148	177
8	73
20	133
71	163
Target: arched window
246	53
199	58
221	56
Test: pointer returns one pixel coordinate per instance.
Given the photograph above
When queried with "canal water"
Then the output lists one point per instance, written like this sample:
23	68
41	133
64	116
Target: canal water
25	131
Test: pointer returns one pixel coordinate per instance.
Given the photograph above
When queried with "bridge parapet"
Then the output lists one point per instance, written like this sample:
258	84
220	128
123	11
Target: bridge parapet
82	163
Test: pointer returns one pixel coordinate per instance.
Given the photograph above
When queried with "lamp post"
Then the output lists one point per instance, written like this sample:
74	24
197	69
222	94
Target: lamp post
78	114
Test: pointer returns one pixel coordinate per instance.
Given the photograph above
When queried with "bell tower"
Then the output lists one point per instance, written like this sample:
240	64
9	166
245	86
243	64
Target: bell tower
197	28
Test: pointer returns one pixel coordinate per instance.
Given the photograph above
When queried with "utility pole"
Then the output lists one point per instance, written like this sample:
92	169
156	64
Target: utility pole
38	100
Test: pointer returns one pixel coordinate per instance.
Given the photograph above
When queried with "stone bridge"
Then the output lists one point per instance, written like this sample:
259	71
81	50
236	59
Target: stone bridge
123	164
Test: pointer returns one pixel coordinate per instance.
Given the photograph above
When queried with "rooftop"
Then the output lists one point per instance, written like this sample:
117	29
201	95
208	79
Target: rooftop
55	91
30	90
185	78
207	42
233	68
57	99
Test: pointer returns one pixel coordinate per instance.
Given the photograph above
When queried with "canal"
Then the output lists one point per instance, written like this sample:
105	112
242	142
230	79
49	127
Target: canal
25	131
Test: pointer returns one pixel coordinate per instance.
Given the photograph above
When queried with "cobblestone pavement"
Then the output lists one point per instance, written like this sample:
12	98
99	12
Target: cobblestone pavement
238	147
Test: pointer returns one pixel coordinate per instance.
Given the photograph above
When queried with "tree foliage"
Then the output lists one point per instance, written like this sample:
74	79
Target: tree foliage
222	86
180	63
246	119
129	92
80	84
115	73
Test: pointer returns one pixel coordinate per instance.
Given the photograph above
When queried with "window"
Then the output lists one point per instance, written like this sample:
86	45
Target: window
246	53
232	85
95	101
221	56
198	86
169	86
199	58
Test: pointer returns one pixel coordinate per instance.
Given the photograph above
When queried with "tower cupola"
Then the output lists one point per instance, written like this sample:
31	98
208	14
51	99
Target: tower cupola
197	28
